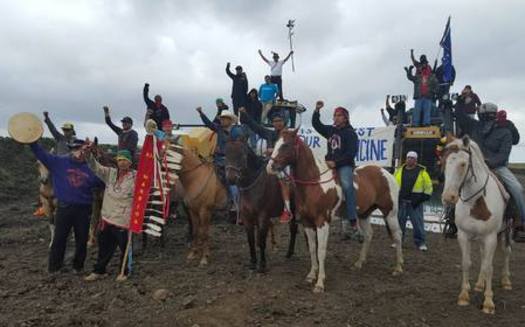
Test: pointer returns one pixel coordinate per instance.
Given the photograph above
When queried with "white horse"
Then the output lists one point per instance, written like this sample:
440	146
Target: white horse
480	201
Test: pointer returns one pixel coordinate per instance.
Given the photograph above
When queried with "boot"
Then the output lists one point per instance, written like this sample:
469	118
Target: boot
519	234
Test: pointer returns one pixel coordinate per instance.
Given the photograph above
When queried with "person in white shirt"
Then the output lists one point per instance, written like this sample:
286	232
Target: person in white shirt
276	70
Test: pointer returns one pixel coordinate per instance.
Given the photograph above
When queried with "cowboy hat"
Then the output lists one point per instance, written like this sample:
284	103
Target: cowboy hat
228	114
25	127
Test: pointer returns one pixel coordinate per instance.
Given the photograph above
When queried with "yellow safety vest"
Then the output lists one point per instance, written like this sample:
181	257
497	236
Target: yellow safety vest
423	182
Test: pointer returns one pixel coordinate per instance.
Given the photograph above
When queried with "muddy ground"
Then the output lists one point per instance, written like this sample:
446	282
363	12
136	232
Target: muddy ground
226	293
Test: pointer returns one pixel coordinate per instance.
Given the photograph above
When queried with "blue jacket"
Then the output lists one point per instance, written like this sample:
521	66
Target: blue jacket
342	142
268	92
73	181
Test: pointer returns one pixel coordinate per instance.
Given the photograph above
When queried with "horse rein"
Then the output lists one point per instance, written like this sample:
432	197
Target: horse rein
470	169
298	141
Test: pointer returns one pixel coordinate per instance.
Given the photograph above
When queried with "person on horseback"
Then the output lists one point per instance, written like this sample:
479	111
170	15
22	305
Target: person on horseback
61	140
415	188
495	142
271	136
223	130
342	147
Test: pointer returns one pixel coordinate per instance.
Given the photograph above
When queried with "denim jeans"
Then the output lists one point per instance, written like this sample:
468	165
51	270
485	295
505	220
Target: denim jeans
514	187
346	176
416	218
422	106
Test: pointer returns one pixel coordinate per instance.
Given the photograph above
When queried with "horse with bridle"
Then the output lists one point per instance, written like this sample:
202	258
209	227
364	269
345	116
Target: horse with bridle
319	197
481	202
203	194
260	199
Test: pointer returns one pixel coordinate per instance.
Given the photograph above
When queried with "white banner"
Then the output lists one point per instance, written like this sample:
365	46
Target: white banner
376	144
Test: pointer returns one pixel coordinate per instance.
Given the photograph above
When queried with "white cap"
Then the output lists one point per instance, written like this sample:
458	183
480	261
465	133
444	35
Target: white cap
412	154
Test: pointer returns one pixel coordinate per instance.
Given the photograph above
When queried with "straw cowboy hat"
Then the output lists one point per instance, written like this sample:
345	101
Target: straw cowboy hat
25	128
228	114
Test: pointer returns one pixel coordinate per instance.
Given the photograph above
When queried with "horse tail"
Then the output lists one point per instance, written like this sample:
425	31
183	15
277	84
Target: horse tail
394	195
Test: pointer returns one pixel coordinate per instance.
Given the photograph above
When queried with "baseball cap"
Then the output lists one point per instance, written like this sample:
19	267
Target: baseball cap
412	154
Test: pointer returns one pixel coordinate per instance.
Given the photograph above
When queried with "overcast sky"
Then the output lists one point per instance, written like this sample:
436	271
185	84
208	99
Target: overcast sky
73	57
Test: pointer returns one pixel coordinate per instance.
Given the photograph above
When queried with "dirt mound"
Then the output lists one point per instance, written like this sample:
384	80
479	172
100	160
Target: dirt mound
18	173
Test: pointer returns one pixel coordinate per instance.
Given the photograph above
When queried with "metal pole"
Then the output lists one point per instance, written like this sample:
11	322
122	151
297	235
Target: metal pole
291	25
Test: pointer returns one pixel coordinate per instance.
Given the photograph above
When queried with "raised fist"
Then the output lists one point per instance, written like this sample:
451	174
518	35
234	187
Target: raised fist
319	104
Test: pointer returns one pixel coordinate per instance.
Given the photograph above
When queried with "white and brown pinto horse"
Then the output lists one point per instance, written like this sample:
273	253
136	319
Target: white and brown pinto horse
319	197
480	201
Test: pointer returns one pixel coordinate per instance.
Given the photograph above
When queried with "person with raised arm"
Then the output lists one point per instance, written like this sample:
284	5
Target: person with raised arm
127	136
239	87
156	110
271	136
62	140
342	147
276	69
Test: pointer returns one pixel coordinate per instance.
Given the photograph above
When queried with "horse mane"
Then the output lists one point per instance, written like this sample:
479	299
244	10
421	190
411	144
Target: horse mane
474	149
320	162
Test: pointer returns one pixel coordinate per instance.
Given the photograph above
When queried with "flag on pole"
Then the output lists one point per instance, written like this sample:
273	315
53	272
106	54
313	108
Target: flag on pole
446	44
143	184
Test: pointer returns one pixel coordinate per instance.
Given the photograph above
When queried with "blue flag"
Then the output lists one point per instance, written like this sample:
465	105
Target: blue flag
446	44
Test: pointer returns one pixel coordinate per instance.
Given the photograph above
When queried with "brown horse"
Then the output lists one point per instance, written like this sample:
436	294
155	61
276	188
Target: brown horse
318	197
203	194
260	199
47	197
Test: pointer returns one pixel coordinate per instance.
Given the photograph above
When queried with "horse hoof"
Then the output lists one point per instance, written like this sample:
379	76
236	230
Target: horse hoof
506	284
252	266
398	271
358	264
489	309
203	263
190	256
318	289
309	280
463	303
289	255
463	299
261	270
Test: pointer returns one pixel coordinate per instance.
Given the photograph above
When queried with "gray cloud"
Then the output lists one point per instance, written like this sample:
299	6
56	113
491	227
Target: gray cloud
73	57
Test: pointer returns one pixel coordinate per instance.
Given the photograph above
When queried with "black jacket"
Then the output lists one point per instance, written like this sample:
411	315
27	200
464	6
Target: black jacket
160	114
495	141
342	142
513	130
127	140
271	136
254	110
240	84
